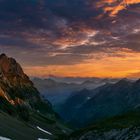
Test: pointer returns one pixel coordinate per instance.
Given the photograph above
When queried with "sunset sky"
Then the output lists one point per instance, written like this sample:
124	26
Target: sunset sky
76	38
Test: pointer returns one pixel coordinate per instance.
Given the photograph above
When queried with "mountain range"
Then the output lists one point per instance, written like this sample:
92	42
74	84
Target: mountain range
72	40
109	111
58	89
88	106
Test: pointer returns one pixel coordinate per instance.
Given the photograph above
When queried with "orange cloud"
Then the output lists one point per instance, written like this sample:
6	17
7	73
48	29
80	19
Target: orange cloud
75	38
115	6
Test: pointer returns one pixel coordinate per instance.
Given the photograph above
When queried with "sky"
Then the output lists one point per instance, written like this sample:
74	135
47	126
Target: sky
72	38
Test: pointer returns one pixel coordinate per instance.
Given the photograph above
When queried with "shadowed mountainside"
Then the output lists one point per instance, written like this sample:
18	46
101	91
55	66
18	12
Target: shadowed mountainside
102	102
22	108
121	127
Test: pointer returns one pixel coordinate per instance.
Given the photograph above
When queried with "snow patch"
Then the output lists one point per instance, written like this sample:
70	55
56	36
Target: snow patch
64	131
4	138
88	98
42	139
44	130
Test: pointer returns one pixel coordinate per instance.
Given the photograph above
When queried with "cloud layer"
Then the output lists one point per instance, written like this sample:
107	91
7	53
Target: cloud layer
63	33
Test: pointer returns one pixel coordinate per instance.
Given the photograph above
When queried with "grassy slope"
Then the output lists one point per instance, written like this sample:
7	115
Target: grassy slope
18	130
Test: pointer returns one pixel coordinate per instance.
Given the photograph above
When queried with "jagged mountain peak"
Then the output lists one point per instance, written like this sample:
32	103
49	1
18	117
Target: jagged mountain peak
10	66
12	72
138	81
122	82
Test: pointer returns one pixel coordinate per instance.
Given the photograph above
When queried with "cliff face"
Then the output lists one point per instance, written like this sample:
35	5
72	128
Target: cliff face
16	87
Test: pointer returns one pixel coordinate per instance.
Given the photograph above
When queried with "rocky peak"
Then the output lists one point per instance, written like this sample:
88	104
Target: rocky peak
122	82
12	72
10	66
14	83
138	81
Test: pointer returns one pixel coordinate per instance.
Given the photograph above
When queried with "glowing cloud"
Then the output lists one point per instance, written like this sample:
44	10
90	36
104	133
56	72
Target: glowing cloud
72	37
115	6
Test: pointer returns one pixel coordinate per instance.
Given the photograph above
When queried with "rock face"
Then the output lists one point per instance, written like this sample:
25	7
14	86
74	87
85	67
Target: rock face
16	87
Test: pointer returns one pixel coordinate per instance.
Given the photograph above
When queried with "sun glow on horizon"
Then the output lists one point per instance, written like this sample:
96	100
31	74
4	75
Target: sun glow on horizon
115	67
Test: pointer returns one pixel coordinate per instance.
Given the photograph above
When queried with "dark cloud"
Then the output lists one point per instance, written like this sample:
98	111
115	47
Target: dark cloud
50	32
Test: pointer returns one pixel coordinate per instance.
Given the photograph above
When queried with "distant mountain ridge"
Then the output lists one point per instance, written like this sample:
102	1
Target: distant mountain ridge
102	102
58	89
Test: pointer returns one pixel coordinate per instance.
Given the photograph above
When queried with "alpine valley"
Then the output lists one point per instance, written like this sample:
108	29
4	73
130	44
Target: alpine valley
69	69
